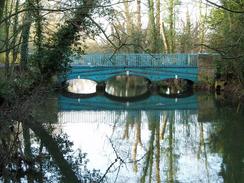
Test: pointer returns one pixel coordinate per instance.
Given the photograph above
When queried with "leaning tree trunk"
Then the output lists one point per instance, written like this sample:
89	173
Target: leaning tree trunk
164	36
64	38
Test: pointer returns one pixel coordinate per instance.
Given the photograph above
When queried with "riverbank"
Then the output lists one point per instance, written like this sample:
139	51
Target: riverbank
234	93
15	90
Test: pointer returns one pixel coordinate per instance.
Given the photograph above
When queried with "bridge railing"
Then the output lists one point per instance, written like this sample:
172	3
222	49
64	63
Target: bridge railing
136	60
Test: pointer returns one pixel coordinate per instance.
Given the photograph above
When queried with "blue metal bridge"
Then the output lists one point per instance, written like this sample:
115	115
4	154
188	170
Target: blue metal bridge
101	67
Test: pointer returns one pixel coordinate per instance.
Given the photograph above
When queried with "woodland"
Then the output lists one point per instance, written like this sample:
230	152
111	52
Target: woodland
37	37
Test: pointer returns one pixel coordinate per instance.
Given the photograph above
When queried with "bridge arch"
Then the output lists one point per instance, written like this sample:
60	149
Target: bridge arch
172	87
80	86
127	86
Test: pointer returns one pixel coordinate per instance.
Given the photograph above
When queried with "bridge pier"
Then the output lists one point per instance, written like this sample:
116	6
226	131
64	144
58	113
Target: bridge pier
206	69
101	87
153	87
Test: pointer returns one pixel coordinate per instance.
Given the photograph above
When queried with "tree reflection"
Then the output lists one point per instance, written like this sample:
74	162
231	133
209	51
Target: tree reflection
170	132
227	139
31	151
126	86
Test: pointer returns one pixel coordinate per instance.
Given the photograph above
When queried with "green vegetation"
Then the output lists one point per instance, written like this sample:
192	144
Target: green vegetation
37	37
227	39
31	54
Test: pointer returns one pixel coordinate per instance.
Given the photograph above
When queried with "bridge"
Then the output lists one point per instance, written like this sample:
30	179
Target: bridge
102	67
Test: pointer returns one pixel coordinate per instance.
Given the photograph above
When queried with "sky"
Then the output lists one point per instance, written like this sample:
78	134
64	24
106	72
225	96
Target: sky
191	5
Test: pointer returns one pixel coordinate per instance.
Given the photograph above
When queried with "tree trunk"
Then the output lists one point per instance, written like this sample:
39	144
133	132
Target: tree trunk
64	38
164	36
25	37
8	10
202	26
39	31
2	5
54	150
172	25
15	36
138	12
7	49
158	27
138	33
171	154
127	18
152	26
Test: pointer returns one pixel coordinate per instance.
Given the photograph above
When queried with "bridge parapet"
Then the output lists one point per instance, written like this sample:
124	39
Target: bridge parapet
136	60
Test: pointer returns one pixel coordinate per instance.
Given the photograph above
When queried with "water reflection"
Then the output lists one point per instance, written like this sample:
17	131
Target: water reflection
176	87
163	146
33	149
81	86
126	145
153	146
127	86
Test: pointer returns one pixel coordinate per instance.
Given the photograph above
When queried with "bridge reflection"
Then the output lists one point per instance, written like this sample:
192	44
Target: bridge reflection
153	102
154	138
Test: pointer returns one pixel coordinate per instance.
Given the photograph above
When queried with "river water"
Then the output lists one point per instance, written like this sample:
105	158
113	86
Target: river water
98	139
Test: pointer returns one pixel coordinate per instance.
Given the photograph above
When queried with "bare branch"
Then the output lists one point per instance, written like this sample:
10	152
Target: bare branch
221	52
223	7
101	29
112	164
49	10
12	47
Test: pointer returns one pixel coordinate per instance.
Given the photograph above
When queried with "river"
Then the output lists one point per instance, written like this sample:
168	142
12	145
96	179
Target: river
190	139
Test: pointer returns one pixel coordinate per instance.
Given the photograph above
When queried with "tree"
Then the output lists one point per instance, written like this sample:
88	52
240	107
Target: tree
2	5
25	35
152	27
138	33
227	39
172	4
202	28
187	36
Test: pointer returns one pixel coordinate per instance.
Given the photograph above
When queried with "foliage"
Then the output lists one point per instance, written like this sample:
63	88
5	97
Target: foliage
50	51
227	38
21	85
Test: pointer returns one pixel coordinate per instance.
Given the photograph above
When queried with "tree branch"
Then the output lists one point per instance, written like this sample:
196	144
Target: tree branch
101	29
223	7
221	52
